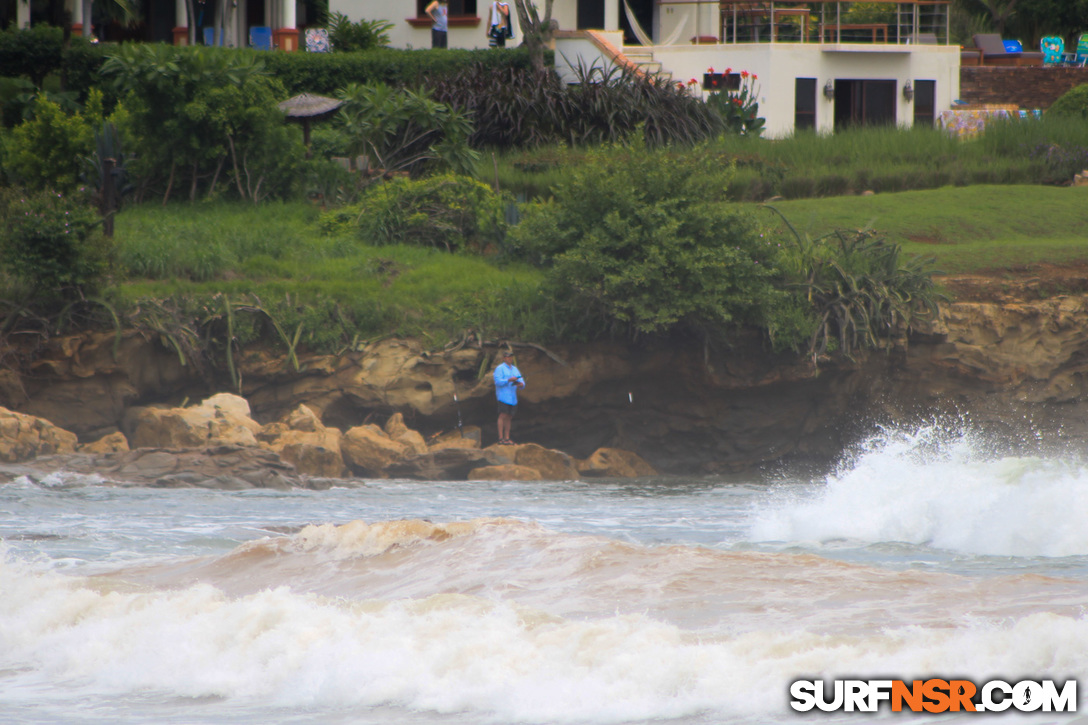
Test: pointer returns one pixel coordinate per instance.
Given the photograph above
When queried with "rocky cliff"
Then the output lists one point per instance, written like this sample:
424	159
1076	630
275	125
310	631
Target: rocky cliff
1009	365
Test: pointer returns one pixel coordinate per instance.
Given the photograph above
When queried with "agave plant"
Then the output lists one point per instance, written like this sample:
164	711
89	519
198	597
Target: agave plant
860	287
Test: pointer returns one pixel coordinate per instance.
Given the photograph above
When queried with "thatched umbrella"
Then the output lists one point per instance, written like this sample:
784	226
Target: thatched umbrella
305	108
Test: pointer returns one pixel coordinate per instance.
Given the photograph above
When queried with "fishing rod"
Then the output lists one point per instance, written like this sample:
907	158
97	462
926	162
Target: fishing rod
460	424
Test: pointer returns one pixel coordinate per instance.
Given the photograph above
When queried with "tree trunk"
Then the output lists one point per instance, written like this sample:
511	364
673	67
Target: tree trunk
537	32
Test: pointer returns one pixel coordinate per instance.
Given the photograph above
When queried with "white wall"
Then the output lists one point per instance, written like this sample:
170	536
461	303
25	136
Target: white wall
778	65
403	35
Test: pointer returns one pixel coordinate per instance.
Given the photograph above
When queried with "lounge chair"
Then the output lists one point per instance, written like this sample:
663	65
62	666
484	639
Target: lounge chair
1081	56
994	52
1053	47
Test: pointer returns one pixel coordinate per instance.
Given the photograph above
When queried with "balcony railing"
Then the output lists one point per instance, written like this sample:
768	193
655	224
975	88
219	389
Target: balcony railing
829	21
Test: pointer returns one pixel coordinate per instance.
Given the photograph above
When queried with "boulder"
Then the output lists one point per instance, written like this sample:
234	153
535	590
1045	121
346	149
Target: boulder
504	472
449	464
222	419
303	441
553	465
469	436
113	443
368	451
396	429
23	437
615	463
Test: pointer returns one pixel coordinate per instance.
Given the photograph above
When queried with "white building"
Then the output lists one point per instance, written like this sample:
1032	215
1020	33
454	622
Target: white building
821	64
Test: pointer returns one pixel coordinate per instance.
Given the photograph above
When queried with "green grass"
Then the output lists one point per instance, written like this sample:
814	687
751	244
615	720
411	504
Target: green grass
967	229
338	289
880	159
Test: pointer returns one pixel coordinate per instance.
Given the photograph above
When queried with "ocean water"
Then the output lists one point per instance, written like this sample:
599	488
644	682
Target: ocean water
924	554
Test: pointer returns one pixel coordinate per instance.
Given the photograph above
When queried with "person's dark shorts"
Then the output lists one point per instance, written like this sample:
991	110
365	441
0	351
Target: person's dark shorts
439	38
508	409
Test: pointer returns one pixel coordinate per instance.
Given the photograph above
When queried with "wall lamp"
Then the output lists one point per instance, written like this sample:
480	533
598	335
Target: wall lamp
908	92
829	90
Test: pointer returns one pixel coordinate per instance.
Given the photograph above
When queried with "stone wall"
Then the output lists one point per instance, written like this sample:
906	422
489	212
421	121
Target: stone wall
1026	87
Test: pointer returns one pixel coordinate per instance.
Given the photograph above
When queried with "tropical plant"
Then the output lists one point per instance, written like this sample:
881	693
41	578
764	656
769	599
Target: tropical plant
404	130
859	288
347	37
205	114
738	108
517	107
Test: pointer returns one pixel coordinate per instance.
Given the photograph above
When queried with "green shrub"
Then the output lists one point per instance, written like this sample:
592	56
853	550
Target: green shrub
1073	102
445	211
51	243
48	150
33	52
519	108
199	117
348	37
642	242
325	73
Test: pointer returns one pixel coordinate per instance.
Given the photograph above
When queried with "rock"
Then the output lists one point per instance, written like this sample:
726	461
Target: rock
112	443
552	465
396	429
450	464
504	472
222	419
615	463
302	440
368	451
469	436
23	437
220	467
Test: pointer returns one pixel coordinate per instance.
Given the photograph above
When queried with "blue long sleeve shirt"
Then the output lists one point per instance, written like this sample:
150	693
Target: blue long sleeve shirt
506	391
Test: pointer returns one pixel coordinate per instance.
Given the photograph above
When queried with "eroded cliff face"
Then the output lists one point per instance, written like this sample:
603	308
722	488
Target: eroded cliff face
1008	365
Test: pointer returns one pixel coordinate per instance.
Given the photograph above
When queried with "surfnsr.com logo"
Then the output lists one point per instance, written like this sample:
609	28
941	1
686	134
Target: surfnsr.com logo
934	695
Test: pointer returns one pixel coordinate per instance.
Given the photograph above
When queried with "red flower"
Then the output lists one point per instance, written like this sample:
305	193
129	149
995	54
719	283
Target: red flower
728	71
744	74
692	82
713	81
754	76
710	69
679	85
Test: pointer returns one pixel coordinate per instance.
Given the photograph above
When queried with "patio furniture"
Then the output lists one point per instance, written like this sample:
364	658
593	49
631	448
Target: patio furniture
833	31
260	37
755	16
1053	47
1080	58
994	52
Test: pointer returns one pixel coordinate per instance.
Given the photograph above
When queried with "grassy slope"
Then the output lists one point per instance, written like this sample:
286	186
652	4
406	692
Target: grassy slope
967	229
336	288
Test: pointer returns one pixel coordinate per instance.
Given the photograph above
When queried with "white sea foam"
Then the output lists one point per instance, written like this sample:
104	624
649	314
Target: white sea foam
930	487
459	654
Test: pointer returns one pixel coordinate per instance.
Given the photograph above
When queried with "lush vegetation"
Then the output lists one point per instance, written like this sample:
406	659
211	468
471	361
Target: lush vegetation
492	201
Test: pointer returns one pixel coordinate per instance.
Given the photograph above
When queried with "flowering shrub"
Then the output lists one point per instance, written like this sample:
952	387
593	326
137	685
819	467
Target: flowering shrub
50	242
738	108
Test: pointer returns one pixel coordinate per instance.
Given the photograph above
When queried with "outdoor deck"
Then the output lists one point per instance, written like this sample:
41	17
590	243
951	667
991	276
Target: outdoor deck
831	21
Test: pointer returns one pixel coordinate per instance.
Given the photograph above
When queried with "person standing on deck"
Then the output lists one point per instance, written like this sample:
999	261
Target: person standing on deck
507	381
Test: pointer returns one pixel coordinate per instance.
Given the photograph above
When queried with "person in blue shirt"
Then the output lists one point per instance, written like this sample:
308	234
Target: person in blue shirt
507	381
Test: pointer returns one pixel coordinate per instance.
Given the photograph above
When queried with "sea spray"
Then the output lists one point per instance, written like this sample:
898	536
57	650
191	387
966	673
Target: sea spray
939	490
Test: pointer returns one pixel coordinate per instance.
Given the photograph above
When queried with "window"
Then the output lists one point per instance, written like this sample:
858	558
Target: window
457	7
804	104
